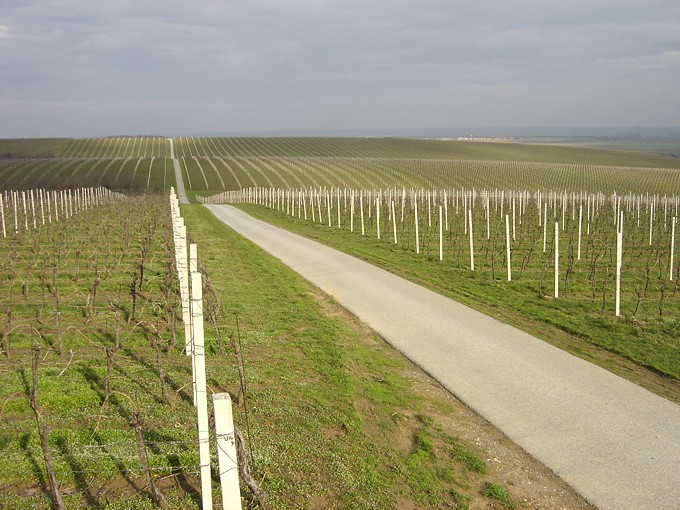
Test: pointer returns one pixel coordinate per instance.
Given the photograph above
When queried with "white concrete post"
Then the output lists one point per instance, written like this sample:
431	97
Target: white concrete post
513	218
472	246
14	206
441	234
304	203
226	451
2	217
675	221
329	205
183	273
651	223
545	225
201	396
394	223
377	215
56	206
507	246
23	200
33	209
580	227
49	207
361	205
42	207
415	213
557	259
619	256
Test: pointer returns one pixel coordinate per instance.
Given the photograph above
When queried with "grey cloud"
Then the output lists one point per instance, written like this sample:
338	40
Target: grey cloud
306	64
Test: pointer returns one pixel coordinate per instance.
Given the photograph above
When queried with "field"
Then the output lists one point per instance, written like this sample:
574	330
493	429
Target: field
211	165
90	338
87	268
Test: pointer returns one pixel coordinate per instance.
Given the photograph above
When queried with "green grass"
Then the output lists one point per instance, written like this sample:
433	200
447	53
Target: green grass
334	419
642	345
32	148
337	402
498	493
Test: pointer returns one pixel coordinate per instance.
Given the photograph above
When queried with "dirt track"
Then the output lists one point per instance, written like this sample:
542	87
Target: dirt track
617	444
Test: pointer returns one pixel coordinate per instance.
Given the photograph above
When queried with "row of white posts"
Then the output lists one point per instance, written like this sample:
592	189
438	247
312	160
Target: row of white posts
296	202
39	206
191	293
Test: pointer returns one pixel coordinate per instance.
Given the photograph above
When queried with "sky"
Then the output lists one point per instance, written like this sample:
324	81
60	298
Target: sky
79	68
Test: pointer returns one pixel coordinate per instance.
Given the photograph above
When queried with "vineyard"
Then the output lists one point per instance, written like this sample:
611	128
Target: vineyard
225	164
551	258
94	372
91	311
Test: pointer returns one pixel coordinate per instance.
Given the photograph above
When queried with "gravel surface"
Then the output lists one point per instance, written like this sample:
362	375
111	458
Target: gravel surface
615	443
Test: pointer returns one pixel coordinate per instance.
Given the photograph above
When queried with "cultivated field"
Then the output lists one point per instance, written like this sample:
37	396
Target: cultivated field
74	289
211	165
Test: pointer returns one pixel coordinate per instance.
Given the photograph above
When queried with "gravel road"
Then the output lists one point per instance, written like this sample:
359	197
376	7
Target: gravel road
616	444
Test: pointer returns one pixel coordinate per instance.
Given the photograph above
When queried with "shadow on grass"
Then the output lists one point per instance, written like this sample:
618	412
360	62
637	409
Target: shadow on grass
78	474
35	466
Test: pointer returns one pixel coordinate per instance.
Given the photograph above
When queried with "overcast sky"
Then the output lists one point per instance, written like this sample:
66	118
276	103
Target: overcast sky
94	68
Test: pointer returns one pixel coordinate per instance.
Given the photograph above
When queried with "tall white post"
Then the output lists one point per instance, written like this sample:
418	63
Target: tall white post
507	246
14	205
441	234
472	246
42	207
377	215
329	203
557	259
674	222
394	223
201	395
619	256
361	206
651	222
415	214
49	207
513	218
545	225
183	274
226	451
2	217
23	200
351	213
33	209
580	225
